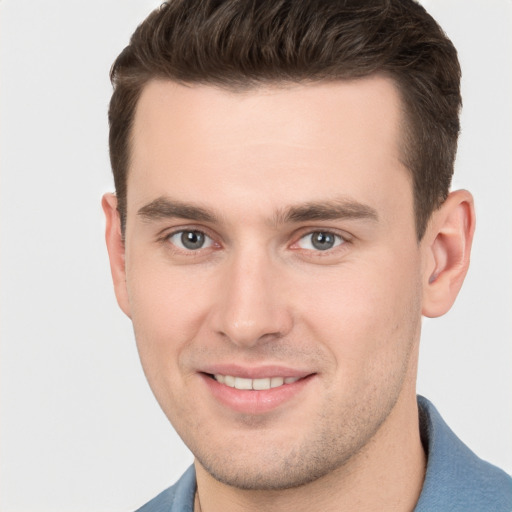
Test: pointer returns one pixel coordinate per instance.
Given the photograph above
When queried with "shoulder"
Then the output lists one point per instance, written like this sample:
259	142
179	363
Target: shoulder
177	498
456	479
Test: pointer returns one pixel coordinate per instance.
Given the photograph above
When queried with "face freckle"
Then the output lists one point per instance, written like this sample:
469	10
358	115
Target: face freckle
339	313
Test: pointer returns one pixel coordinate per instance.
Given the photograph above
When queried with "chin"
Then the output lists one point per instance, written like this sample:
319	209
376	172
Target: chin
275	468
270	478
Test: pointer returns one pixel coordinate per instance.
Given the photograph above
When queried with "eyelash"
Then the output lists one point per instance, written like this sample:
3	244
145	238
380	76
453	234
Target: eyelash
340	241
166	240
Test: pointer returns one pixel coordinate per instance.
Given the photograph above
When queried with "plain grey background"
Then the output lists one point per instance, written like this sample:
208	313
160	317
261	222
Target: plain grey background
79	427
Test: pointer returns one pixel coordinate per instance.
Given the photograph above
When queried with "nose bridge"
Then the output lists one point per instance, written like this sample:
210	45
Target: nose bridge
252	306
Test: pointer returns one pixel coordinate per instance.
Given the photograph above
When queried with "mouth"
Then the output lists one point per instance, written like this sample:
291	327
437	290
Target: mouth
258	395
243	383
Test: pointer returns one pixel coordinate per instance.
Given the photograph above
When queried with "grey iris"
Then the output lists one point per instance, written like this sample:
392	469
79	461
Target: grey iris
322	241
192	239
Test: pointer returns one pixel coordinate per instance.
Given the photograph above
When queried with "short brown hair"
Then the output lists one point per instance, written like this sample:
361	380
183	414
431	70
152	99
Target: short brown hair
248	43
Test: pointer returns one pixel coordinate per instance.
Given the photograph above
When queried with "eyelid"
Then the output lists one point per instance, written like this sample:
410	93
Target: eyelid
302	232
165	235
208	241
318	255
339	240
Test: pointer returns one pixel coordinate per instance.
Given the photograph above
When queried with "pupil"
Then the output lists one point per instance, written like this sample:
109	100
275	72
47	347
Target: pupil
322	241
192	239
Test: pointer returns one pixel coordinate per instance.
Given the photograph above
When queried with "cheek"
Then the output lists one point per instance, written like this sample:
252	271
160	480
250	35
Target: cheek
163	298
166	316
367	315
168	308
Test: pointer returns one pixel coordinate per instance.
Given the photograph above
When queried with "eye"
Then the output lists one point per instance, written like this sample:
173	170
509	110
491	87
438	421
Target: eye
320	241
190	240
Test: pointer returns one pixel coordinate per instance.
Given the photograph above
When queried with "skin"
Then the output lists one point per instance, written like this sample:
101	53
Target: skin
264	166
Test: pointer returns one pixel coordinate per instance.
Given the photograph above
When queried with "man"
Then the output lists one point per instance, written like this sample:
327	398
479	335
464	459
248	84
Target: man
282	220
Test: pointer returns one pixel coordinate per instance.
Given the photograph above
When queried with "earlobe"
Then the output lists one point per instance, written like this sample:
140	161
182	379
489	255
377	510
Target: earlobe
116	250
447	251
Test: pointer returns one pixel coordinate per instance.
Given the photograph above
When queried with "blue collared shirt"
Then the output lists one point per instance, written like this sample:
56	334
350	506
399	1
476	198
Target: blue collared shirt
456	479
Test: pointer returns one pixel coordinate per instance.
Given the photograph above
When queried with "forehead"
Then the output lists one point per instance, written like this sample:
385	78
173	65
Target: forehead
296	143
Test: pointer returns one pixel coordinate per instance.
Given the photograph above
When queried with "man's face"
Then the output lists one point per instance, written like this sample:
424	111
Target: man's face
270	241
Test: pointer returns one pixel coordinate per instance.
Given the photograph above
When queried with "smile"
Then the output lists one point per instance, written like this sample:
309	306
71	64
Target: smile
257	390
254	384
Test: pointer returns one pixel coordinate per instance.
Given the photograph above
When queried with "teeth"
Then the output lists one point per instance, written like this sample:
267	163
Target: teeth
275	382
261	384
241	383
256	384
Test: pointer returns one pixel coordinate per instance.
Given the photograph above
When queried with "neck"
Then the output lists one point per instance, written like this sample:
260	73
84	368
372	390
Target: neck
386	475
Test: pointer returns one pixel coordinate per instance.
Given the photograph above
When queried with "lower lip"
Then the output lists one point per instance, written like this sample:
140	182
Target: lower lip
252	401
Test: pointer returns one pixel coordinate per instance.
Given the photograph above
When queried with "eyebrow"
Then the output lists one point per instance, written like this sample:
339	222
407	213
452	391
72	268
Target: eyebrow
165	208
327	210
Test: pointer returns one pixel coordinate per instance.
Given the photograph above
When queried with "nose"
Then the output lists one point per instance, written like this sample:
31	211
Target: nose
253	305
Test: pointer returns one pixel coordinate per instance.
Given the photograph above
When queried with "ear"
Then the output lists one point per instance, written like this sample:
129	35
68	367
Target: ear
447	248
116	250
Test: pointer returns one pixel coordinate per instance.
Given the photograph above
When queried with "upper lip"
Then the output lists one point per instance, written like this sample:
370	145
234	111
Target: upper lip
255	372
